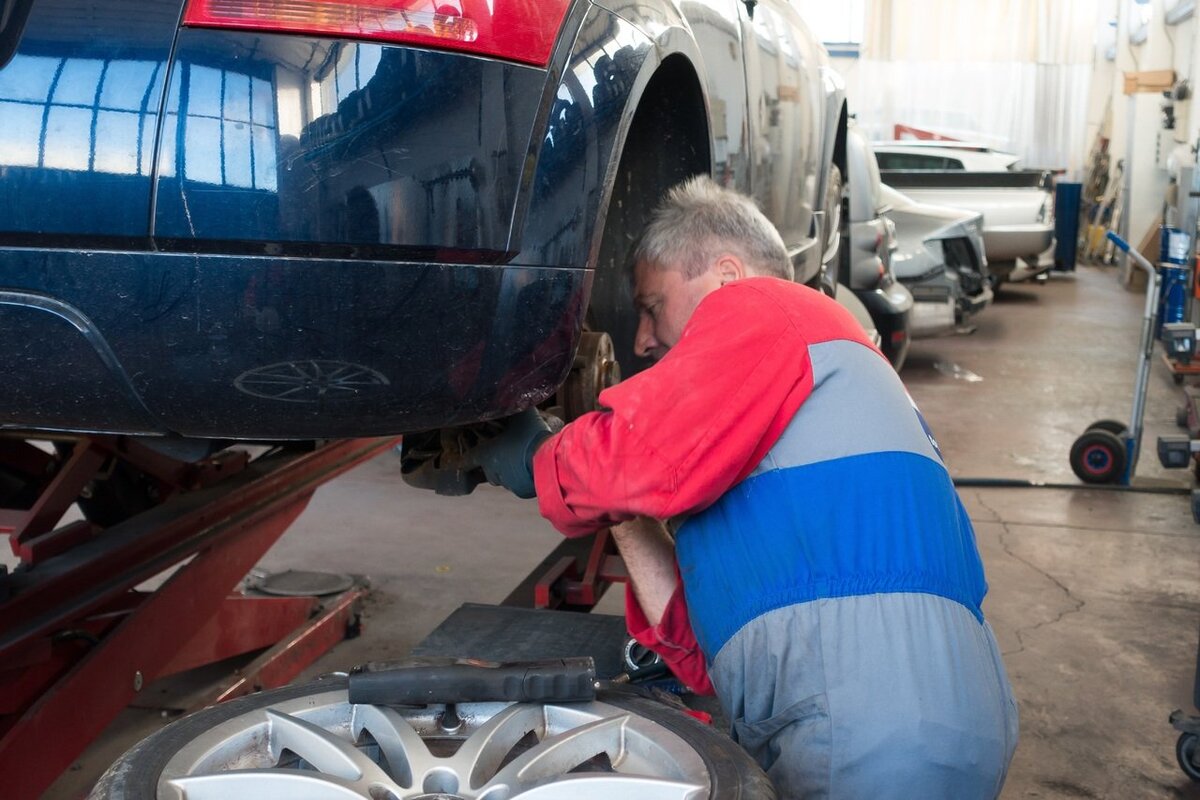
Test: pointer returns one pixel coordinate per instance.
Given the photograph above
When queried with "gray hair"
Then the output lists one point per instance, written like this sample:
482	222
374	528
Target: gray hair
698	220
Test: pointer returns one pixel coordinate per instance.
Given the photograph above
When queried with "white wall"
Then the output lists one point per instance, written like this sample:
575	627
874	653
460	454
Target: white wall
1167	47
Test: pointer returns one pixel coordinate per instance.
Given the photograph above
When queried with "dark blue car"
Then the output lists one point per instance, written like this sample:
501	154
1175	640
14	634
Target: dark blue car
292	219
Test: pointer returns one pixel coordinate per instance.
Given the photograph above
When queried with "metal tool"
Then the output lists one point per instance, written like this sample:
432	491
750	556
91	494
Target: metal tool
421	681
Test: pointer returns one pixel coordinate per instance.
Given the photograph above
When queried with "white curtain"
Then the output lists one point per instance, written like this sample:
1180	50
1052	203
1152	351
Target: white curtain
1014	74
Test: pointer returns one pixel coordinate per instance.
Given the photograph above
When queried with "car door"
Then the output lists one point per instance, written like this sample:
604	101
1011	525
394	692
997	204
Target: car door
784	115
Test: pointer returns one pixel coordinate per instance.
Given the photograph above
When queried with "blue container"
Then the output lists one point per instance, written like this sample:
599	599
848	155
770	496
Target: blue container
1176	285
1174	246
1066	225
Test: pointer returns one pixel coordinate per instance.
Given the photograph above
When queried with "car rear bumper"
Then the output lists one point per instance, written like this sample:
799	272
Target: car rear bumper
890	309
1011	242
276	348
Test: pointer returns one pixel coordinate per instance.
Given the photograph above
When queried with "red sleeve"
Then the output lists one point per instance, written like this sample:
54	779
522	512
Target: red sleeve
671	638
680	434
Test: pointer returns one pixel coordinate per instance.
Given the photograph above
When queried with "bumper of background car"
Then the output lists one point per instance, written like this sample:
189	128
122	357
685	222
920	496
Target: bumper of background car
229	346
890	308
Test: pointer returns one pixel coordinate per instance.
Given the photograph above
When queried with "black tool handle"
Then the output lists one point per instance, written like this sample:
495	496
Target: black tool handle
424	681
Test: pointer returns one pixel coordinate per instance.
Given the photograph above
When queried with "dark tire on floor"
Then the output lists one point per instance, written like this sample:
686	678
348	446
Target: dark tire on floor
1187	754
1098	456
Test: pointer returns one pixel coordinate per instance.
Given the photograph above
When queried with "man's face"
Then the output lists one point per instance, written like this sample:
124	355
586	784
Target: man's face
665	300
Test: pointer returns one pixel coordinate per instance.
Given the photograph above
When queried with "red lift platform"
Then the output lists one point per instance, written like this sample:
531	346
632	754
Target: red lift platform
80	635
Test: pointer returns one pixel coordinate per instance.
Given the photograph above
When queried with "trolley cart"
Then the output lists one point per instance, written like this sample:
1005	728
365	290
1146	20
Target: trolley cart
1108	450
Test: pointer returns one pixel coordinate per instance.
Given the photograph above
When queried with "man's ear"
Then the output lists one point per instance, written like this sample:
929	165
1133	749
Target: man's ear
730	268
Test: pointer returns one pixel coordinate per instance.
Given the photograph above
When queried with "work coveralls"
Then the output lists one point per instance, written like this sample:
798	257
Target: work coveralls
829	571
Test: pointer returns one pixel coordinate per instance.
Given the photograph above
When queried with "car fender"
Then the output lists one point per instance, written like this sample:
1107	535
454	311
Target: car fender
557	227
834	89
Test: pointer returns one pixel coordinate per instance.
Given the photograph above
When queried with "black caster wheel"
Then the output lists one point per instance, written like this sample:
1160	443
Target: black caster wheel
1111	425
1185	753
1098	456
1178	378
1181	416
1196	506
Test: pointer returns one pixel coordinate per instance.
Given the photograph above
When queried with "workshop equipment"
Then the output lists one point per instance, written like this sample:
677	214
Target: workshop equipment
1187	746
425	680
1108	450
79	638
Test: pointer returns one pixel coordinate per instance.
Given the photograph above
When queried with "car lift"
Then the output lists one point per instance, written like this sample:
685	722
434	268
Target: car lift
80	635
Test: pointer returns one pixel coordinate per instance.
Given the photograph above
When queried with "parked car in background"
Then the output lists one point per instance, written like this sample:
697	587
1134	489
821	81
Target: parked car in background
868	270
1017	205
301	220
939	256
942	155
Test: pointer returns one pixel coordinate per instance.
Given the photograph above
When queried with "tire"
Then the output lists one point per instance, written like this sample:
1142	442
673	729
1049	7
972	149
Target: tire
239	729
1111	425
1098	456
1187	756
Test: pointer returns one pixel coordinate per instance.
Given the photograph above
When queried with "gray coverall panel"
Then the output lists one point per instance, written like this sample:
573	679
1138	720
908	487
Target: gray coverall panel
876	696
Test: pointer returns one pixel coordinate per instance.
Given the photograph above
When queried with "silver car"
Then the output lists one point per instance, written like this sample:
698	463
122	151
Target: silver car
867	269
1017	204
939	256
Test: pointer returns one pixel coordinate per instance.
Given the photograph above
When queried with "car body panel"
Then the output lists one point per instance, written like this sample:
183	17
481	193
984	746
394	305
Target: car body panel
871	276
946	291
79	108
422	220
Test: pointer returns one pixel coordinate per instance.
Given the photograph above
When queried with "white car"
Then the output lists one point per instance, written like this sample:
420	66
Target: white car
1017	205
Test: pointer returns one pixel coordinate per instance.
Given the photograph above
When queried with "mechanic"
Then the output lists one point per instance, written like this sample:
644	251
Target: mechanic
823	572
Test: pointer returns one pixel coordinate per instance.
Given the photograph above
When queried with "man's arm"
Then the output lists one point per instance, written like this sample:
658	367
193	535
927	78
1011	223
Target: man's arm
655	610
649	556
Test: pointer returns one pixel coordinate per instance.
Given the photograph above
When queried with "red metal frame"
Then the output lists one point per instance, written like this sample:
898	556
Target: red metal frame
78	642
563	584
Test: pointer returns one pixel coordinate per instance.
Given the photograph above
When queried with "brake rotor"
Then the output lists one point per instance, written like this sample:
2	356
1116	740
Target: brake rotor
595	369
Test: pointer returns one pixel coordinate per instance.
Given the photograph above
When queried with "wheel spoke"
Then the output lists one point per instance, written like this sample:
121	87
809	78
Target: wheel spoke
558	754
605	787
404	749
326	751
266	784
484	751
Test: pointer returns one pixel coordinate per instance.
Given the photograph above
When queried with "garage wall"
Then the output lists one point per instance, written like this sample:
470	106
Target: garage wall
1016	75
1166	47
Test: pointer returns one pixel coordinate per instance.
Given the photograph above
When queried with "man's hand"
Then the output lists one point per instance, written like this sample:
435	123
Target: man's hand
507	459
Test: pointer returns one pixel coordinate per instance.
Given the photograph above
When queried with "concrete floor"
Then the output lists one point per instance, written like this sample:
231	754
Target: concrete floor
1095	596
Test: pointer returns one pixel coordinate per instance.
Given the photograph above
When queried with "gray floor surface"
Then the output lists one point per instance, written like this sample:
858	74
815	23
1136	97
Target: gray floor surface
1095	596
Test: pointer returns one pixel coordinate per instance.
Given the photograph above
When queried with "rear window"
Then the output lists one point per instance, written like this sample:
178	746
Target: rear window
916	161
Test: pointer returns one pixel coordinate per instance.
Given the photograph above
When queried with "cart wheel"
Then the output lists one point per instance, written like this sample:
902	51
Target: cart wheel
1181	416
1111	425
1185	753
1098	456
1196	506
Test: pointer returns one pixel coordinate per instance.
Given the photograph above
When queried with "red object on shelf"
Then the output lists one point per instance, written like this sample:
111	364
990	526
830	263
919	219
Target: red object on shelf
909	132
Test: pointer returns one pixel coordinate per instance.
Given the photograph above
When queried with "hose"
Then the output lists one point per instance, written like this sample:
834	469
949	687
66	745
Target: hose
1019	483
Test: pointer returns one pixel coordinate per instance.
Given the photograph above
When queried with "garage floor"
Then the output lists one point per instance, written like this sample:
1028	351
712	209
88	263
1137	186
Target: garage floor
1095	596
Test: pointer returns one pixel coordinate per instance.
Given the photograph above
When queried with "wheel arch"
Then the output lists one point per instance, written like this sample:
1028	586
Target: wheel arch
666	137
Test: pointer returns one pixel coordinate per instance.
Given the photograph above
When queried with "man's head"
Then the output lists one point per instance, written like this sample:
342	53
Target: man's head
699	238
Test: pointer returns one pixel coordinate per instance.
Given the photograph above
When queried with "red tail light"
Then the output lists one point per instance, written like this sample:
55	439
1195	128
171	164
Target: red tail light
516	30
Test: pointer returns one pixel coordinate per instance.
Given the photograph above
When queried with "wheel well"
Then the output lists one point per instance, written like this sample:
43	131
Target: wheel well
839	143
667	142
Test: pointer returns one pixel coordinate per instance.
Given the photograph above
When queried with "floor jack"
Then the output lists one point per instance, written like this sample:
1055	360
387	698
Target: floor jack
80	635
